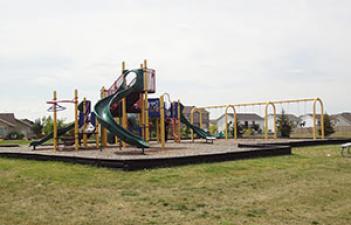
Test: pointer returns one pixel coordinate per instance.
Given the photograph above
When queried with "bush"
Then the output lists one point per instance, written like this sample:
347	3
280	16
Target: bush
248	132
284	125
14	135
328	127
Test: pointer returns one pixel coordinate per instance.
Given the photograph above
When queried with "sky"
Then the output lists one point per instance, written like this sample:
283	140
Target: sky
204	52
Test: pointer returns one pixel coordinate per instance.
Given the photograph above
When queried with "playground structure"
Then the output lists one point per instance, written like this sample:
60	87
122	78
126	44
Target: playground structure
266	105
128	114
84	123
127	96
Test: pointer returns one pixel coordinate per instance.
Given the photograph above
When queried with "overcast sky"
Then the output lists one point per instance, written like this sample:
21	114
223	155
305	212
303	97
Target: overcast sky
204	52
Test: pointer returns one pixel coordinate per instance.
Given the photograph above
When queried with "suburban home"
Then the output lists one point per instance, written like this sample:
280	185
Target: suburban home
341	122
244	119
205	116
306	121
295	121
8	124
341	119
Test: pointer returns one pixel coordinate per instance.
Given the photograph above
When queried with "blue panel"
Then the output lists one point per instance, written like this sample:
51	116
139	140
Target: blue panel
154	107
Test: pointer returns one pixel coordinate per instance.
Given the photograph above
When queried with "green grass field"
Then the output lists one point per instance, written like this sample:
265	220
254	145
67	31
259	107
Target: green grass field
310	187
14	142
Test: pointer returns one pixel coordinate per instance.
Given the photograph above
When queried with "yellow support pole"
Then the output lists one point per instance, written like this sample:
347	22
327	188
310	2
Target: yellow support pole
96	133
146	102
103	130
321	118
235	122
266	120
142	114
116	138
55	122
76	126
162	121
124	109
192	122
85	136
179	124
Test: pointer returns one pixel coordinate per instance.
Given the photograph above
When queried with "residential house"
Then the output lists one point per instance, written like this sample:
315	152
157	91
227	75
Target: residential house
341	122
205	116
341	119
244	119
306	121
294	120
8	124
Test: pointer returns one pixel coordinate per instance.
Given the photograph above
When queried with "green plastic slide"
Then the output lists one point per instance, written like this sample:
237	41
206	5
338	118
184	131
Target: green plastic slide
60	132
105	117
200	132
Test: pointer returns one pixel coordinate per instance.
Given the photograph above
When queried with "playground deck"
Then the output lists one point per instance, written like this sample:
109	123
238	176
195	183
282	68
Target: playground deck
174	154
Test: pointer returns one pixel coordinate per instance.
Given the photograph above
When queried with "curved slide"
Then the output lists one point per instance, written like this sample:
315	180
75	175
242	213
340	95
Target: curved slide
106	119
200	132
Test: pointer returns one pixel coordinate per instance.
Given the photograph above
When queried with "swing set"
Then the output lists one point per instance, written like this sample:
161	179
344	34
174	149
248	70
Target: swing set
267	105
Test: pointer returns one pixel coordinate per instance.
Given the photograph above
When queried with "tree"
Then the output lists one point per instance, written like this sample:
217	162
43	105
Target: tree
48	124
185	132
284	125
213	129
37	128
328	127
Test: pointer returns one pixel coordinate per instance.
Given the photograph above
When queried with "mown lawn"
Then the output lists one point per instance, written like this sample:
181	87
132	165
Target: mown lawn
310	187
14	142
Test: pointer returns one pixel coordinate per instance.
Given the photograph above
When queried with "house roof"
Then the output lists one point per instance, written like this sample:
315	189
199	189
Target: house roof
24	122
28	121
7	123
345	115
290	116
243	116
8	117
187	110
311	115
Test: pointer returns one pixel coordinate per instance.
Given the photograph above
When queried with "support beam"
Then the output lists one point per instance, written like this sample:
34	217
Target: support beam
55	122
146	102
162	121
76	125
85	136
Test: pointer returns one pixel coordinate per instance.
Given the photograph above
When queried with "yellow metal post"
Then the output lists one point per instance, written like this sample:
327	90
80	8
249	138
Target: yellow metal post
85	136
76	126
146	102
179	124
162	121
192	122
124	109
96	133
142	114
55	122
235	122
103	130
315	118
266	120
